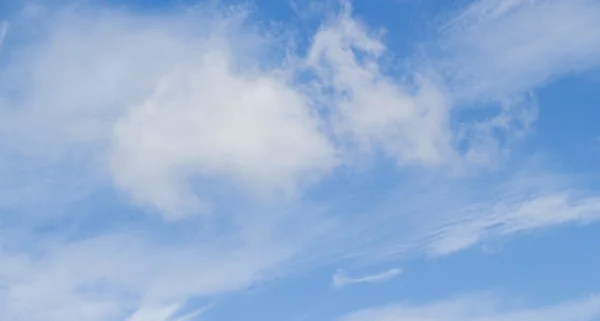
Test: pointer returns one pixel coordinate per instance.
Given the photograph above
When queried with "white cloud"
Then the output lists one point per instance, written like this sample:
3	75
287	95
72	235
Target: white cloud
482	308
372	110
168	104
72	272
499	51
506	217
104	277
208	120
491	56
166	99
503	47
463	213
179	107
157	314
166	313
341	279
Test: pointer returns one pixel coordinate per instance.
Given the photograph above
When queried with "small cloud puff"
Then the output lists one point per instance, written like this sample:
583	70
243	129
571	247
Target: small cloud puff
341	279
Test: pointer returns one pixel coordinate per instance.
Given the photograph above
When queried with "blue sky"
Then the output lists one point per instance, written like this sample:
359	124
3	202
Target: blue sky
383	160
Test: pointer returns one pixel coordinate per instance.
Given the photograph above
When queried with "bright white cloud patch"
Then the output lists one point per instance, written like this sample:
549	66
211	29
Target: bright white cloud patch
374	111
205	119
166	99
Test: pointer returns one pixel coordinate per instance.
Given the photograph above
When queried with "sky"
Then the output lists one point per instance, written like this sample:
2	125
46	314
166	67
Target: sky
262	160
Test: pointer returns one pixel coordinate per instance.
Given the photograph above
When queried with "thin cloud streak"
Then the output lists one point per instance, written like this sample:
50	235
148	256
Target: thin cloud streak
482	308
340	279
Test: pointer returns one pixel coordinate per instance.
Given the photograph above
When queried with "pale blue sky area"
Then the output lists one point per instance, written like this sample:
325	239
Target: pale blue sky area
382	160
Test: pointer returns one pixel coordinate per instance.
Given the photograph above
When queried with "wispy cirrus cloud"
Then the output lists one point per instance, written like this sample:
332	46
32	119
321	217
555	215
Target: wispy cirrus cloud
464	213
167	313
482	308
507	217
341	279
104	277
497	48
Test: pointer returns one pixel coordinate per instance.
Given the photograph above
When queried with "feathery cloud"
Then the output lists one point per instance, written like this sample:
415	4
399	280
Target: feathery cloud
482	308
341	279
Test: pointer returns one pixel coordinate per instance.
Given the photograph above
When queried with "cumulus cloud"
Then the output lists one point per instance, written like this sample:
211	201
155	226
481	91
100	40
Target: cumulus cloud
482	308
164	100
341	279
206	119
161	105
408	121
166	104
